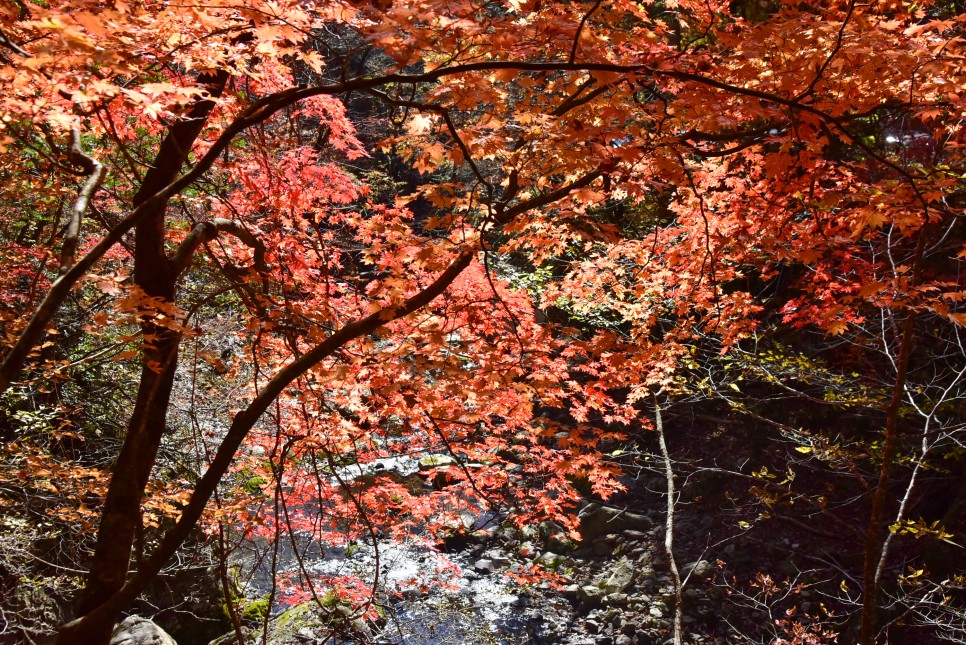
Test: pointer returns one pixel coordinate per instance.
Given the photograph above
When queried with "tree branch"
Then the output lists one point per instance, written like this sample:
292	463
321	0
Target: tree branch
580	28
245	420
95	176
207	231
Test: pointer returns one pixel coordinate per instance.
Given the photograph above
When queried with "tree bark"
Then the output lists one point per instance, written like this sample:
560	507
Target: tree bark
155	276
875	542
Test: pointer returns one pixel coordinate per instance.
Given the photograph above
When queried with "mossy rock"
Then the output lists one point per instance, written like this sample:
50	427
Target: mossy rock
254	611
303	624
429	462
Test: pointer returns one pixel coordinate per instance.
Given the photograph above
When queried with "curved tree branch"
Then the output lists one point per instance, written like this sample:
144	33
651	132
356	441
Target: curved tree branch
267	106
95	176
245	420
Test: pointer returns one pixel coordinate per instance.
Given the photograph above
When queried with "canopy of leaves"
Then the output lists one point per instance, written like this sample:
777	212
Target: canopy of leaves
257	248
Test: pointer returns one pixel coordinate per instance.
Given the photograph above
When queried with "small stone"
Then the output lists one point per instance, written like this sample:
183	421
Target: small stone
498	559
520	602
596	519
601	547
619	577
635	536
483	565
701	570
550	560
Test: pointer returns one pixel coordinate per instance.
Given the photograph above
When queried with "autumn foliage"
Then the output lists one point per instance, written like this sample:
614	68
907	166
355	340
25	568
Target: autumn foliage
282	240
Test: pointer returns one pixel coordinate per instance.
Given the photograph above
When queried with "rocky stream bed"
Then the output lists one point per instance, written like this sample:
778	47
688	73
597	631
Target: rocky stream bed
614	589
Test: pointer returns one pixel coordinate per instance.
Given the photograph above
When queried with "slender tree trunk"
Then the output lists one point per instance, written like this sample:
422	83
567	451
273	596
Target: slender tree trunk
121	517
875	543
669	528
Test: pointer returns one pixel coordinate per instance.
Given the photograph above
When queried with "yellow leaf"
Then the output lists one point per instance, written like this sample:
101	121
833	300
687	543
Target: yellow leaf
837	327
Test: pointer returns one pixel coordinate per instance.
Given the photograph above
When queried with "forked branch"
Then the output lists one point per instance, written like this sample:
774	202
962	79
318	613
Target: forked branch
207	231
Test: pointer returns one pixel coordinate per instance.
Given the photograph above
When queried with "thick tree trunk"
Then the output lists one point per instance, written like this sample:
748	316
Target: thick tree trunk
121	517
156	277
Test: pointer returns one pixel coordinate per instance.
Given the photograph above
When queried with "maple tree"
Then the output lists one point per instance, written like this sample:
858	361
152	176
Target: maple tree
169	163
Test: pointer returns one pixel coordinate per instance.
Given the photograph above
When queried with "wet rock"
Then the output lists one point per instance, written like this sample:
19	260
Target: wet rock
497	558
484	565
135	630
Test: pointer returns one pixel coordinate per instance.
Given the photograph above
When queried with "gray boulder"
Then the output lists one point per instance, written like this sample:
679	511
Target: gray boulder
619	577
135	630
597	520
